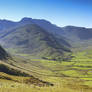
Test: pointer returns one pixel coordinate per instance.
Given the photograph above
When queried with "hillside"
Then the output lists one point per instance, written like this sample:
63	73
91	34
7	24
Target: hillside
47	25
34	40
3	54
13	73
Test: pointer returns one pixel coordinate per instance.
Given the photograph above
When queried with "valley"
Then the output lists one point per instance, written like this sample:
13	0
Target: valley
65	75
35	59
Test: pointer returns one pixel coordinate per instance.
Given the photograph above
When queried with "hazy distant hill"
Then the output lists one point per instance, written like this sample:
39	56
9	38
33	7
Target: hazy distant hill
6	24
79	32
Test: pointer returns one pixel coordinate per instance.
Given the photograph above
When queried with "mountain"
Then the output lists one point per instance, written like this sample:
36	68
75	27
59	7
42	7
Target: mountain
49	27
65	35
34	40
68	32
81	33
78	36
43	37
6	24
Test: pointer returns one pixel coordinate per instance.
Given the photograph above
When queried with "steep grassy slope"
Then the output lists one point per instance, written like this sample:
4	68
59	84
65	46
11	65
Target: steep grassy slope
3	54
36	41
6	68
13	73
21	77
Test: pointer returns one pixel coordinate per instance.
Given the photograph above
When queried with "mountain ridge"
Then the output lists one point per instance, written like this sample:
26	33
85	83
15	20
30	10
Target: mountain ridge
34	39
53	37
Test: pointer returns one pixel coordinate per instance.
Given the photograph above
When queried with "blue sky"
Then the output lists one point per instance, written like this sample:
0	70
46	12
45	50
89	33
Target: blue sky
60	12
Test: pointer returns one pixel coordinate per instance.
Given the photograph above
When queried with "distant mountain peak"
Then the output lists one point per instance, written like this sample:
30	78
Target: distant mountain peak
70	26
26	19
